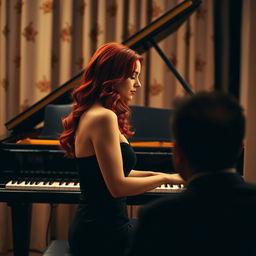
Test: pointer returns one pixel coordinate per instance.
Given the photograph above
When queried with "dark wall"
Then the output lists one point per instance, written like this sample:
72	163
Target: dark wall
227	15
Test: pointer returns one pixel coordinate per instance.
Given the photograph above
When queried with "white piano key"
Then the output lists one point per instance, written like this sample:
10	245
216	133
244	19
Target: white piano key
31	186
11	184
167	188
18	185
39	186
55	185
73	186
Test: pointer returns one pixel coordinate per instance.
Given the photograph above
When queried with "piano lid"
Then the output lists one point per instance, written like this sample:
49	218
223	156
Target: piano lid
158	30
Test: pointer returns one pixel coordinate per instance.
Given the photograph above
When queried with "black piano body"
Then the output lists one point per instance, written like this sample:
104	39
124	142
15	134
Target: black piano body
28	160
24	157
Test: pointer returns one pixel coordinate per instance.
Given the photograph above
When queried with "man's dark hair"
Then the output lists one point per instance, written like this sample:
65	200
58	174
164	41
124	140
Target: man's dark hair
209	127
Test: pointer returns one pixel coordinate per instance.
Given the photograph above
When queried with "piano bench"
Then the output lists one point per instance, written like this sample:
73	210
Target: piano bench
58	248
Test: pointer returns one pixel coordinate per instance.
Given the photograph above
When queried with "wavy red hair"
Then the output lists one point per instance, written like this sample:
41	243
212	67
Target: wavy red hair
110	65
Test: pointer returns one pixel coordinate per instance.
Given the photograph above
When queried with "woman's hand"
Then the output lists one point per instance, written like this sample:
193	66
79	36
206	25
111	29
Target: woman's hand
174	179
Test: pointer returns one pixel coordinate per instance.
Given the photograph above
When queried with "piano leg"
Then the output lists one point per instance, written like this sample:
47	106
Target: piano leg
21	215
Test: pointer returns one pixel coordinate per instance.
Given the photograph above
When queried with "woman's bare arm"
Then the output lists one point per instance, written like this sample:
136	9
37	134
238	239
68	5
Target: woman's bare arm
105	140
138	173
141	173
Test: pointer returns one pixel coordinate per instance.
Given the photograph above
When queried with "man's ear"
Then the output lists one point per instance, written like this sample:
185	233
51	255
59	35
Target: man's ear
242	147
180	162
178	156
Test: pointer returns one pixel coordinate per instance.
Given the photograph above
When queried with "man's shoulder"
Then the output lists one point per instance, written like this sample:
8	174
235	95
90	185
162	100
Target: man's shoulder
169	203
191	198
247	188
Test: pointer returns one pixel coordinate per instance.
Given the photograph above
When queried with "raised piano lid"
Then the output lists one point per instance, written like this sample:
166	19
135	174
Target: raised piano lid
158	30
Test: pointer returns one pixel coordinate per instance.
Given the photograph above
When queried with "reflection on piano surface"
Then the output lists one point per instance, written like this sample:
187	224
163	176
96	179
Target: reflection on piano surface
31	159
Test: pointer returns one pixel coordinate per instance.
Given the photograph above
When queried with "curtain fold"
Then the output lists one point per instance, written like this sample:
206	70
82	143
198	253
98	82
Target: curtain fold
3	65
44	43
247	86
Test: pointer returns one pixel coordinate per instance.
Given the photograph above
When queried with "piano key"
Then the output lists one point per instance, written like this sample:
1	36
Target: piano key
15	184
55	185
73	186
167	188
11	184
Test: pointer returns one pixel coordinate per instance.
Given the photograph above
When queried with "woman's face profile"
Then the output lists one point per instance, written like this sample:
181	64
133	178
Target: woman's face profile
128	88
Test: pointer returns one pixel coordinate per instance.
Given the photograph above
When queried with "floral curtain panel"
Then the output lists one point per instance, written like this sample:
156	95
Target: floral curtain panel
44	43
247	86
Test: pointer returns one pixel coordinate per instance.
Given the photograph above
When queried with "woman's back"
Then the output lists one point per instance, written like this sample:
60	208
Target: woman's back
87	127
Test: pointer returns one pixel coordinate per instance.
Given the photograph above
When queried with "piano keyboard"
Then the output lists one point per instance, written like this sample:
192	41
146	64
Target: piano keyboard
75	186
44	185
167	188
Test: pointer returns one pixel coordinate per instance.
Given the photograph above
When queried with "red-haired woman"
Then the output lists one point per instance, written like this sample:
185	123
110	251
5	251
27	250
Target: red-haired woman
95	134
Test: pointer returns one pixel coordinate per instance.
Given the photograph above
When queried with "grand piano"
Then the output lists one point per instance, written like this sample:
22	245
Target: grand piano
33	168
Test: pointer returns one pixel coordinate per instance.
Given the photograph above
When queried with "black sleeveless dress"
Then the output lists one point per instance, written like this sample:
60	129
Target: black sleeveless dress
101	224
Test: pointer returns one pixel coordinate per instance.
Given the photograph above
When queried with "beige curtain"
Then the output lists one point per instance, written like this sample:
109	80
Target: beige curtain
44	43
247	85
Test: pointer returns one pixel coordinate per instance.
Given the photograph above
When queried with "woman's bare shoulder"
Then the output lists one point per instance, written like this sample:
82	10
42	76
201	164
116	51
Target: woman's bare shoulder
106	118
100	115
100	123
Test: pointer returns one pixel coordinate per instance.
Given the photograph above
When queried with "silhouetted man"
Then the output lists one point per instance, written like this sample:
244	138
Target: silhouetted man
216	213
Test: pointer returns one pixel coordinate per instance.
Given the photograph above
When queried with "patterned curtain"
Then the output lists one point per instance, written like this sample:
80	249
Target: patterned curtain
44	43
247	86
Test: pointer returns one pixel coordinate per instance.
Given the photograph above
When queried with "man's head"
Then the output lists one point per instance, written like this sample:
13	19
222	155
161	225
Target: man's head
208	129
